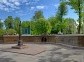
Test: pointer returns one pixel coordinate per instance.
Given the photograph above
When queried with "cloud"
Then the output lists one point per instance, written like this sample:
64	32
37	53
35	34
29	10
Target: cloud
10	5
20	13
37	7
40	7
56	5
31	2
1	6
4	1
2	20
6	9
37	0
25	1
17	3
1	0
14	1
32	8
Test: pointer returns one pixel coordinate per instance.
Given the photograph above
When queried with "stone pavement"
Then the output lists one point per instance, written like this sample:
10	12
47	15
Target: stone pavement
52	53
30	49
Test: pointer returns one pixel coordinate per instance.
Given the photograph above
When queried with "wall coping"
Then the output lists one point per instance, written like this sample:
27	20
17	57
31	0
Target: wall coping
46	35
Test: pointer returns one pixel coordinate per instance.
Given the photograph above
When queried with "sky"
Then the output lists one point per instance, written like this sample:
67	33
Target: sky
25	9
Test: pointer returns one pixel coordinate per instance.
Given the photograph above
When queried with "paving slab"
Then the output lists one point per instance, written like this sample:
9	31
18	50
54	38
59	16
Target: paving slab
29	50
53	53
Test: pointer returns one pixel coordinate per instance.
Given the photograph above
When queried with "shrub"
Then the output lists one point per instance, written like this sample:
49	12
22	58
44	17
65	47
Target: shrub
10	32
2	32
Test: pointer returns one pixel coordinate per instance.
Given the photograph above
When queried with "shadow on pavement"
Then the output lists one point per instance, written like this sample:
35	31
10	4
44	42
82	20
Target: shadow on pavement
6	60
55	56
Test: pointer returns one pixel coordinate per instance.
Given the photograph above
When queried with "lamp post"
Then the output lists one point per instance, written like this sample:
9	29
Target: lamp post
20	41
19	30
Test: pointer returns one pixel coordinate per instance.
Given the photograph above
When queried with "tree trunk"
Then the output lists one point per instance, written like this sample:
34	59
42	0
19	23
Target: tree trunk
79	27
61	19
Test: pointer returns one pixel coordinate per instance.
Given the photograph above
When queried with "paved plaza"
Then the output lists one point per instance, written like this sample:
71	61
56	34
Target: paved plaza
40	53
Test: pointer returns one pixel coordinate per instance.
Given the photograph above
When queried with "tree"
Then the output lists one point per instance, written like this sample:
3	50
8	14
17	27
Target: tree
42	27
77	5
38	15
54	23
16	24
32	25
2	32
26	27
1	24
62	10
70	26
10	32
83	17
25	24
9	23
82	29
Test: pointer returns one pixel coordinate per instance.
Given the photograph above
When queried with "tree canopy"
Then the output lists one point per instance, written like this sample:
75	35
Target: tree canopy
38	15
16	24
42	26
62	11
9	22
1	24
77	5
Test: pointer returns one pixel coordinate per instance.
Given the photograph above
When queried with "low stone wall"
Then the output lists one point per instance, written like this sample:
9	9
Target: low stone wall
70	40
14	39
1	39
10	39
66	39
75	40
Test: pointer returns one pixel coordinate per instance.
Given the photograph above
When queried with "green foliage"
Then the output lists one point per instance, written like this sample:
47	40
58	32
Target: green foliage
55	25
32	25
82	17
9	22
82	28
2	32
1	25
56	28
16	24
78	6
53	21
41	26
38	15
75	4
10	32
69	26
62	10
25	24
